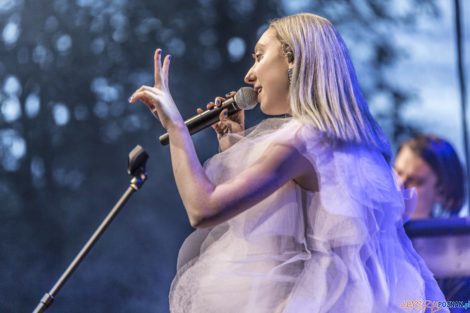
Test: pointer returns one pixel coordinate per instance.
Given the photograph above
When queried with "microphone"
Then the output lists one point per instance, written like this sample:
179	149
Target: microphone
244	99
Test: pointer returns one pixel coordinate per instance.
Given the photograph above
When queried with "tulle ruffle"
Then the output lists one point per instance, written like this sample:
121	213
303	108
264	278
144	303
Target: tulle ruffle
342	249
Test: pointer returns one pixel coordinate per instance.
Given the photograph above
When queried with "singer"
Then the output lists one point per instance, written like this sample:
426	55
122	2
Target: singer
298	214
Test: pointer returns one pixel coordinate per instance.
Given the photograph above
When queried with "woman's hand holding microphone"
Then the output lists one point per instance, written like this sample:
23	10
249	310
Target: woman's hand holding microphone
233	123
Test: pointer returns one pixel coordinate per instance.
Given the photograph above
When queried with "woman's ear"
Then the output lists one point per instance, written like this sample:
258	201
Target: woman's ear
286	49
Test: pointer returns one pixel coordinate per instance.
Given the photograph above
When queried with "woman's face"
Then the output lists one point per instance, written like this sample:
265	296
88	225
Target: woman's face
269	75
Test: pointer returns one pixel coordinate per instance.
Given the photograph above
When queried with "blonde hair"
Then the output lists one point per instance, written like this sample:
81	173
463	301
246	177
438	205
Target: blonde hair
324	90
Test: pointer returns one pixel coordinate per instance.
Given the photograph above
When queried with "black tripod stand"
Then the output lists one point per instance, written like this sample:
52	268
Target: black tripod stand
136	167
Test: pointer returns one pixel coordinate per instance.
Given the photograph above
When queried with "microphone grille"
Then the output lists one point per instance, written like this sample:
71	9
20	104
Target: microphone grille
246	98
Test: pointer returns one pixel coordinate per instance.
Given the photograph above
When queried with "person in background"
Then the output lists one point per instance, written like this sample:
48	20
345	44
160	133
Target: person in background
431	165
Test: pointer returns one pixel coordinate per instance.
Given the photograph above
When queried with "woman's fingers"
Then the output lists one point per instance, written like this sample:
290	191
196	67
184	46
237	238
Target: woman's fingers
239	117
222	129
230	94
166	69
152	90
218	101
150	96
226	124
161	73
158	98
223	116
157	68
150	99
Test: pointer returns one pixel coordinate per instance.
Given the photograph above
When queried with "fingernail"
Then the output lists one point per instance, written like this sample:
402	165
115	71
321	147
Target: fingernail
169	57
217	101
130	98
226	113
159	51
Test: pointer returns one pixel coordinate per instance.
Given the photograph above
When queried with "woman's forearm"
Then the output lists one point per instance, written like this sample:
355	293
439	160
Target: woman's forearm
193	185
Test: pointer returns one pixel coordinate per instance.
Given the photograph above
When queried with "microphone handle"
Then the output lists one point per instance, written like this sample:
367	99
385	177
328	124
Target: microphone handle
204	119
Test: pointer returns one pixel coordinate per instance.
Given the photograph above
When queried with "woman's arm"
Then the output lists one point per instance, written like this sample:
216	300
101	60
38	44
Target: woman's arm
206	204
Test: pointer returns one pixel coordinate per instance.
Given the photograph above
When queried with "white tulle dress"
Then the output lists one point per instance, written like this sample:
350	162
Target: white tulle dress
342	249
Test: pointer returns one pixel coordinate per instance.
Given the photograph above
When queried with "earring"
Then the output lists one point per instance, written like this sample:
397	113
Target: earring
290	57
288	52
289	76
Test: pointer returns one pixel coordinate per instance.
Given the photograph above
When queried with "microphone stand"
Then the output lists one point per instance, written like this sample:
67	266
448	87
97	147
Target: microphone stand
136	167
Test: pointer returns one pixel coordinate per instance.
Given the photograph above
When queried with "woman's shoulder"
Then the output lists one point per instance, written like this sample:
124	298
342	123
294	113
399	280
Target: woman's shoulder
304	137
287	130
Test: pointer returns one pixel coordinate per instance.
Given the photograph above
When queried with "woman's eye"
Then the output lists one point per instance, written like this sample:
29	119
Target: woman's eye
257	56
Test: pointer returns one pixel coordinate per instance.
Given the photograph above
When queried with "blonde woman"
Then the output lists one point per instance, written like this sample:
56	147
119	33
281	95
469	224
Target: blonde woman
301	214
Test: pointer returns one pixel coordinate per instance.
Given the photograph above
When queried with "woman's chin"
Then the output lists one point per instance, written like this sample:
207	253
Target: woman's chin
266	111
272	111
274	107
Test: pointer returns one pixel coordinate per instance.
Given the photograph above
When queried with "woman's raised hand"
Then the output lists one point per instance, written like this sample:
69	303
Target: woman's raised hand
158	98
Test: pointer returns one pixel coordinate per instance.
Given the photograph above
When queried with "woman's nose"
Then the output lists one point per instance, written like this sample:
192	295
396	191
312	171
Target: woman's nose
250	77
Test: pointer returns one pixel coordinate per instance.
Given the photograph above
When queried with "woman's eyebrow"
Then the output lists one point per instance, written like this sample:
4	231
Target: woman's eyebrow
258	46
